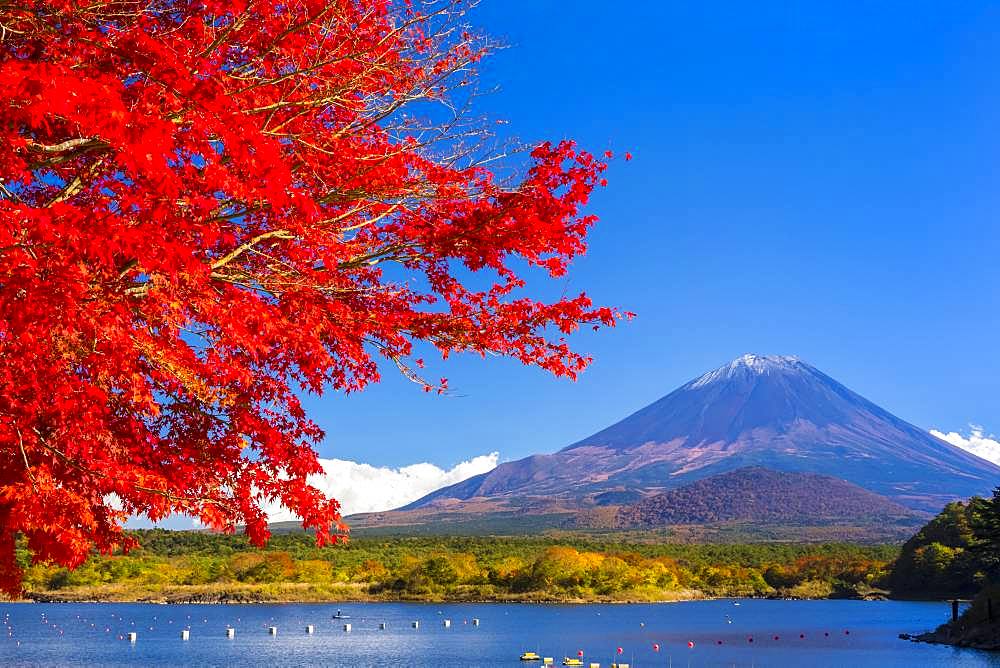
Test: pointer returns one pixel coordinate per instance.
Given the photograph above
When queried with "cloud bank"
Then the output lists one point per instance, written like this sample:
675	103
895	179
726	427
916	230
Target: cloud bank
363	488
987	447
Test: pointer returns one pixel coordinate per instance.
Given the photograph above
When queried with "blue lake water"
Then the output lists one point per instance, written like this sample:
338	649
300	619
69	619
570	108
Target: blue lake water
816	634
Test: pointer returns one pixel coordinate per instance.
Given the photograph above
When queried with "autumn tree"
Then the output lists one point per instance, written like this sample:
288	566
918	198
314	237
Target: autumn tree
209	208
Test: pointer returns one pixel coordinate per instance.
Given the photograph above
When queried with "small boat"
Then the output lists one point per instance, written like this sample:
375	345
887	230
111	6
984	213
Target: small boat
341	615
530	656
569	661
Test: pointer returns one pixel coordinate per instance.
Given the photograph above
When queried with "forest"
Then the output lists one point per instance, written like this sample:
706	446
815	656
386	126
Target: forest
954	555
201	566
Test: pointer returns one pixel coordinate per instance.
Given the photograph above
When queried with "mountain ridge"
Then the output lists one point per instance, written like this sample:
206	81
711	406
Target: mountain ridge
758	494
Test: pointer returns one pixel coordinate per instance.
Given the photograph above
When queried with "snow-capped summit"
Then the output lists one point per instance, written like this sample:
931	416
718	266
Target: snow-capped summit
762	363
750	364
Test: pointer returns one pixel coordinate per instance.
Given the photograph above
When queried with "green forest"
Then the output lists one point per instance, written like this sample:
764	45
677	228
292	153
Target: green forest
192	566
957	554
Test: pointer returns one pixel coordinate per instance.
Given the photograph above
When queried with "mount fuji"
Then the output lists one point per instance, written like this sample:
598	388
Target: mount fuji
775	413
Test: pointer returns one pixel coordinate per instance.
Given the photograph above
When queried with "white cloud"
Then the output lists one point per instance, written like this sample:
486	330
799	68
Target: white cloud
977	442
363	488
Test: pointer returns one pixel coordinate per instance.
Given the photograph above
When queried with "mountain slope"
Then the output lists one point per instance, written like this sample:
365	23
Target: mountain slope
775	412
760	495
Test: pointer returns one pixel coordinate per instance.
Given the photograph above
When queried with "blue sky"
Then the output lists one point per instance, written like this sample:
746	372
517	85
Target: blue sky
810	178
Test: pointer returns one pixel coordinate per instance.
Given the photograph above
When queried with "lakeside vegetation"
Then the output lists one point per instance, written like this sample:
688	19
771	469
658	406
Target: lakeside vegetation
188	566
941	560
957	555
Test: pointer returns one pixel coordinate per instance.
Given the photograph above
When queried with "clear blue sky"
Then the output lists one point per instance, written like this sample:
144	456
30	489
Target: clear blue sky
810	178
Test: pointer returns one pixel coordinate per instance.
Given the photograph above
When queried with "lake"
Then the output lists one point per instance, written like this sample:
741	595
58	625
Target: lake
784	633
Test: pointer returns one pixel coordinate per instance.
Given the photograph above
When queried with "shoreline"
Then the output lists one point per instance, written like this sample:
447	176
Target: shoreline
988	642
977	628
257	598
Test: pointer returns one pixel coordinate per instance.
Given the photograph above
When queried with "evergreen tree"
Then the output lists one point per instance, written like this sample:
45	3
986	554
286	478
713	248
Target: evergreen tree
986	528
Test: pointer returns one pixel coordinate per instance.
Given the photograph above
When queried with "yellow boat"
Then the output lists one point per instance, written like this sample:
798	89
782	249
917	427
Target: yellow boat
530	656
572	662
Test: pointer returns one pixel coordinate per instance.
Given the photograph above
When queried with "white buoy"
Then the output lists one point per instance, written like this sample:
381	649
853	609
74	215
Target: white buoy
383	626
230	632
447	623
310	628
347	628
416	625
475	621
185	635
133	636
273	630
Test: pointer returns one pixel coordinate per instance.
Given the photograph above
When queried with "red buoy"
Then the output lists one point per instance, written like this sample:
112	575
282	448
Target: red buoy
690	644
620	650
656	647
580	653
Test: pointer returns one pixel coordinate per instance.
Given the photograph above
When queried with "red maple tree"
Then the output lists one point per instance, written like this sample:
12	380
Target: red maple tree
210	207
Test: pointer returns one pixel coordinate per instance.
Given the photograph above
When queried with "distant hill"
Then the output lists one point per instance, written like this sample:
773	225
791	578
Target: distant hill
779	413
762	495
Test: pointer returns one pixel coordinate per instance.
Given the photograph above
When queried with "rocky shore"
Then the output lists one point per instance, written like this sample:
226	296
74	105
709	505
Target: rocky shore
981	636
978	627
